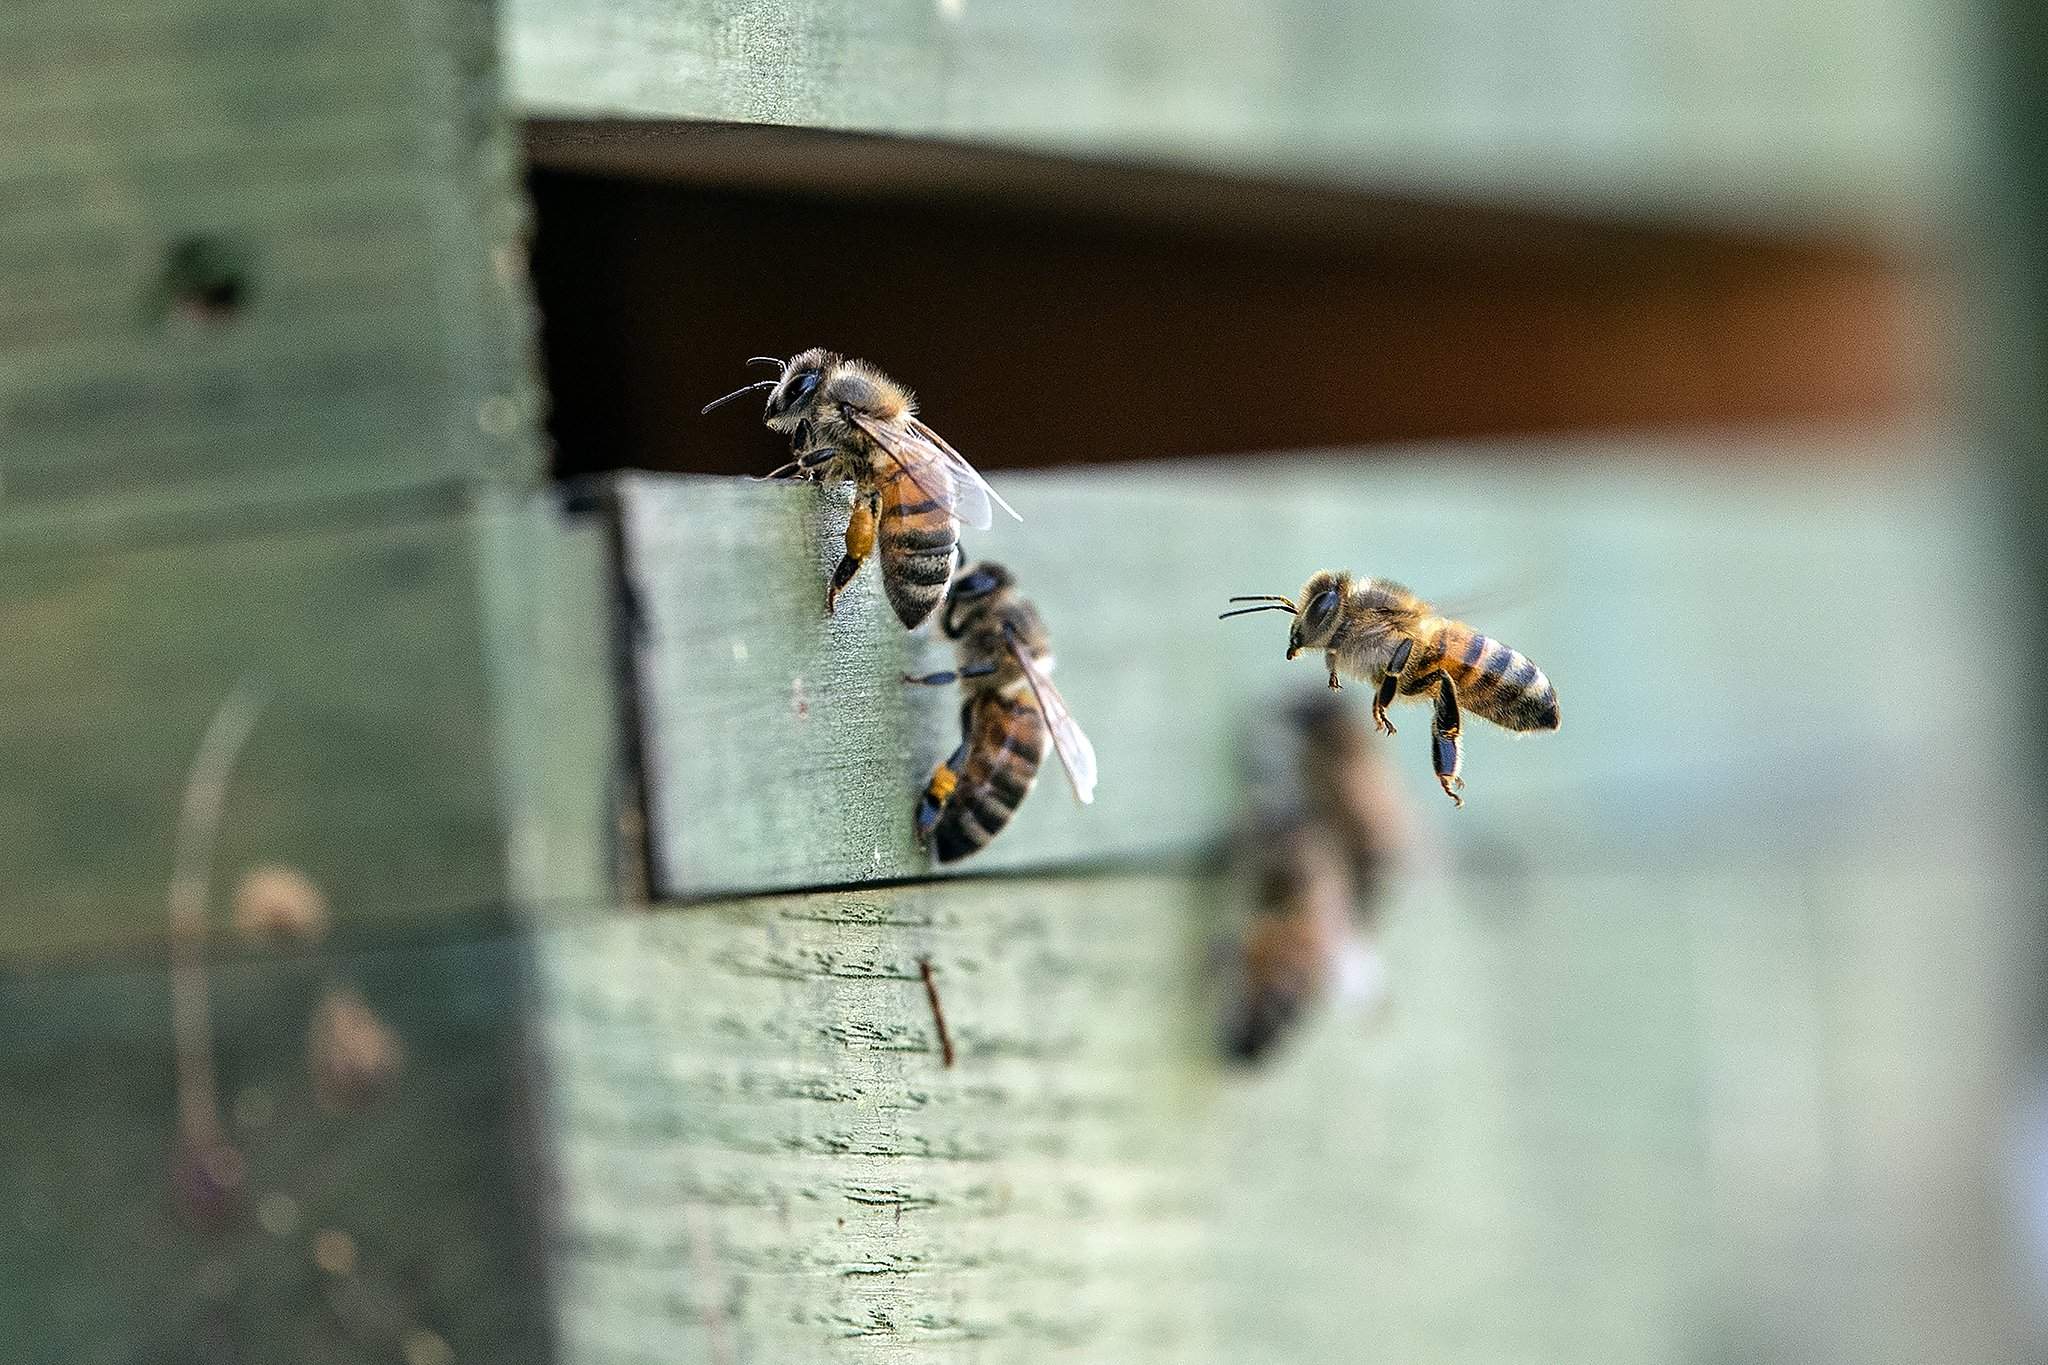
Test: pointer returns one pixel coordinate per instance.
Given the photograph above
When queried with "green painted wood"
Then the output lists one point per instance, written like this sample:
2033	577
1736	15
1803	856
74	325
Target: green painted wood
1665	589
316	477
763	1157
1644	1115
1627	1115
371	766
1845	111
100	1260
349	164
438	737
571	810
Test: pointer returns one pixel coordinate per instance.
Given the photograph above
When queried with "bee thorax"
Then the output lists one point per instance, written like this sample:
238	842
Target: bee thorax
1367	653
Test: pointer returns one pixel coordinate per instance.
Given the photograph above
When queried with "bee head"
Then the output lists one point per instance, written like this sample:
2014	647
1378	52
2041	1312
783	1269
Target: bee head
975	588
789	393
796	392
1315	621
1315	612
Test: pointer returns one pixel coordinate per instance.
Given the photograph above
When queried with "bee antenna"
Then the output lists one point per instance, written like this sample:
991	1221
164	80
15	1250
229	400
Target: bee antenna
764	360
740	392
1268	601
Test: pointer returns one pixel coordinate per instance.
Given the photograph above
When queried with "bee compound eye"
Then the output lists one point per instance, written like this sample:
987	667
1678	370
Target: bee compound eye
802	387
1320	610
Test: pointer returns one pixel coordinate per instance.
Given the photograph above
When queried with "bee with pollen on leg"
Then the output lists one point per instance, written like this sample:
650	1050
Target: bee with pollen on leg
1010	713
1378	632
850	423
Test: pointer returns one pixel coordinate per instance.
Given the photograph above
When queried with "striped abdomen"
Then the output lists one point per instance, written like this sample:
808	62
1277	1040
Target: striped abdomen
1291	946
1006	742
1496	682
916	535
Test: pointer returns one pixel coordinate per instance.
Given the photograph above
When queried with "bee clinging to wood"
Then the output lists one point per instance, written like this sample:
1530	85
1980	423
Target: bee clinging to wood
850	423
1321	830
1379	632
1010	712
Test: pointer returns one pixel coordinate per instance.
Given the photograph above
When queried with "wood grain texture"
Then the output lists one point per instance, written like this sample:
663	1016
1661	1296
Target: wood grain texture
352	162
1724	111
370	767
572	818
1625	1116
763	1157
1689	612
100	1261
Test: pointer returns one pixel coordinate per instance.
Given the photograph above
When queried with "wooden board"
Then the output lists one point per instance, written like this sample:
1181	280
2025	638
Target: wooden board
764	1158
370	767
1663	593
349	164
431	1186
574	836
1632	1116
1722	111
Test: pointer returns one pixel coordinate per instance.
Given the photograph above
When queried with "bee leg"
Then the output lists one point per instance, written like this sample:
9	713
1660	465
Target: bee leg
1383	699
1330	662
944	779
804	466
981	670
1389	685
1446	753
860	539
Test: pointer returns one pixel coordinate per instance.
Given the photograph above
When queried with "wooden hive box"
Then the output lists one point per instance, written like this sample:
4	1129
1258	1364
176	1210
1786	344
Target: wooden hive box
614	824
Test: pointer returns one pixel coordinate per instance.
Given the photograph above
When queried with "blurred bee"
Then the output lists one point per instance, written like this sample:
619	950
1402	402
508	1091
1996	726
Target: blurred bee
1010	711
1312	854
1381	633
850	423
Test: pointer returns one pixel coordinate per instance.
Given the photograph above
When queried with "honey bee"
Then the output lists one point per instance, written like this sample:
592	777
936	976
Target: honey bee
1378	631
1312	854
1009	712
850	423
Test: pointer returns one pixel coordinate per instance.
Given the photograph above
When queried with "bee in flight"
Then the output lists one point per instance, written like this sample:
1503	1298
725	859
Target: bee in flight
850	423
1381	633
1311	856
1010	711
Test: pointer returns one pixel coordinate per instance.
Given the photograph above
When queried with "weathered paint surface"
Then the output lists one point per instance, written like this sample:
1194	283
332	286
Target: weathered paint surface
764	1158
349	165
1690	612
1624	1116
1751	110
369	767
262	346
101	1260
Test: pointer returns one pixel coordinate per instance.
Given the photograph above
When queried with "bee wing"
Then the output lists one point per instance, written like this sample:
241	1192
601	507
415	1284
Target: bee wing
957	462
1077	755
913	444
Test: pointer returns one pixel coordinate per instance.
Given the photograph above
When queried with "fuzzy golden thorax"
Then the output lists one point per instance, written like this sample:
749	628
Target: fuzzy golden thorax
819	388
